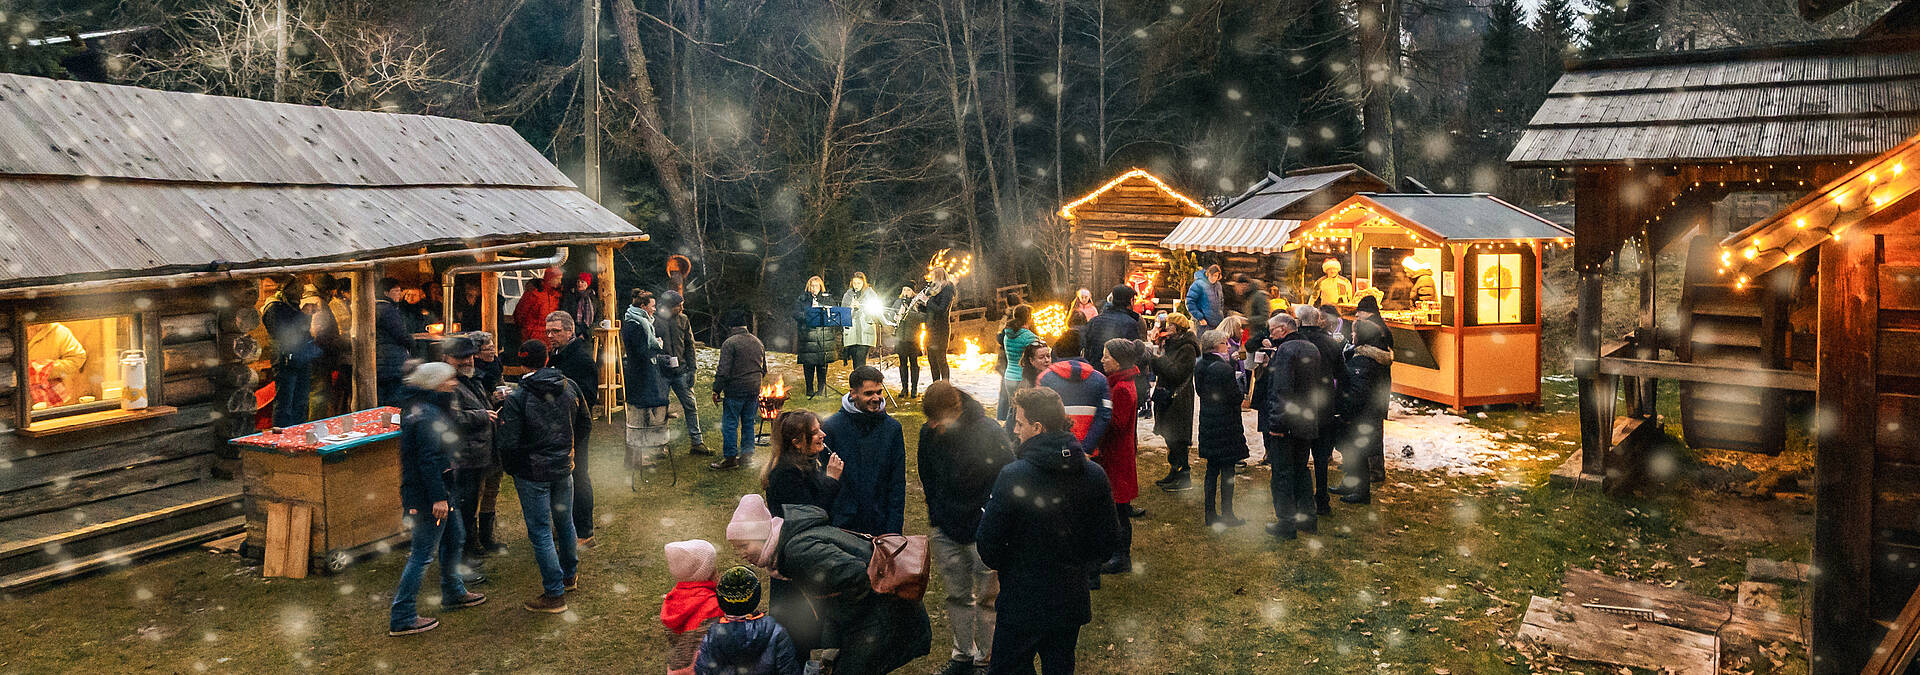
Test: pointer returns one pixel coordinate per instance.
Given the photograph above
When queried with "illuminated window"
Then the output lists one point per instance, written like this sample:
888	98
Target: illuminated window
1497	287
74	366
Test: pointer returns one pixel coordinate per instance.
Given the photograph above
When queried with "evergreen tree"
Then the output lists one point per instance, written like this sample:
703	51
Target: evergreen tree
1319	55
1619	27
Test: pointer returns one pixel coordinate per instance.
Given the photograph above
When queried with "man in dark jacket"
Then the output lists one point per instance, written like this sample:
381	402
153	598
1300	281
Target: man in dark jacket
424	469
1048	524
961	454
676	338
873	489
1116	321
473	458
1296	408
736	385
1313	328
294	351
1362	412
393	343
574	358
540	425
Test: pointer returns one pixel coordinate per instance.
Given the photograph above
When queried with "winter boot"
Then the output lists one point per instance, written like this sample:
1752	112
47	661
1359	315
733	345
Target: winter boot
1181	482
1120	563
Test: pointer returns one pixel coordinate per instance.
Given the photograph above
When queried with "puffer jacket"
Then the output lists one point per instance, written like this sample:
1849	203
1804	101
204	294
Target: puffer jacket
819	345
392	344
469	415
1049	523
425	456
1083	391
1297	402
875	633
539	425
1174	368
1201	302
1222	435
958	465
1368	385
747	645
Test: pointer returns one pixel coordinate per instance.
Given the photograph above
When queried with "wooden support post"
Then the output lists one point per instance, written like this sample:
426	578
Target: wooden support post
366	384
1646	389
1596	401
1844	455
490	301
609	343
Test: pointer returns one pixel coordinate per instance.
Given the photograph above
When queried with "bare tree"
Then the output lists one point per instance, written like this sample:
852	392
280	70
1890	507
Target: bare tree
652	129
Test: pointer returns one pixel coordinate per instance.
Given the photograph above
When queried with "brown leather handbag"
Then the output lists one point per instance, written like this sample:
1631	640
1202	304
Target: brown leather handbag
899	565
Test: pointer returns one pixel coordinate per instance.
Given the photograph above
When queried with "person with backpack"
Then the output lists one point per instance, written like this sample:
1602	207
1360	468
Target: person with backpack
745	641
539	427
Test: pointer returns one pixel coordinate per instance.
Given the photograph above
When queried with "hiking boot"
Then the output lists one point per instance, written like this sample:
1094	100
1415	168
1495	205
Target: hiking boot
1341	490
572	583
1119	564
957	667
1228	521
699	449
421	624
583	543
1357	499
1172	475
1136	512
472	600
1180	483
1277	532
725	464
547	604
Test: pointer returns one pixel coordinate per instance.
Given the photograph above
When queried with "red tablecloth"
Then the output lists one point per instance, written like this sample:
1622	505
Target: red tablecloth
373	422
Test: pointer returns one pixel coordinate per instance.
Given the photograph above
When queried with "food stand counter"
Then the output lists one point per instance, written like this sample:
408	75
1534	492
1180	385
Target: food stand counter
339	476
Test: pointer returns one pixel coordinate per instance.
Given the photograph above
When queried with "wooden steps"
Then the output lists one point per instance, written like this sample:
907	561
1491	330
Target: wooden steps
1723	326
51	546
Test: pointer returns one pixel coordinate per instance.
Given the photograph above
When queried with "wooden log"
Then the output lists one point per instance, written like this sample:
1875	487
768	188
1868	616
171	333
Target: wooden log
243	348
187	389
1586	634
6	347
191	357
66	467
241	320
188	328
1688	610
233	376
365	383
241	402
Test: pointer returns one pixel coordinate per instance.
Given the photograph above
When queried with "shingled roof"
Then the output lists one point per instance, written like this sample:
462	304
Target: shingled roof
1289	194
103	181
1820	100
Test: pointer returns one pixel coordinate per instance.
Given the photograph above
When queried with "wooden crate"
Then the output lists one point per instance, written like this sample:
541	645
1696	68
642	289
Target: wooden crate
354	496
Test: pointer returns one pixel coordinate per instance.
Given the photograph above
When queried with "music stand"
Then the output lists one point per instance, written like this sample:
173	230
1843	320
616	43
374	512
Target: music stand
830	317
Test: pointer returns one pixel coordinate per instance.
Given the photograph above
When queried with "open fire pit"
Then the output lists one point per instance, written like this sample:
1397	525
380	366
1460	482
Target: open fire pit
773	399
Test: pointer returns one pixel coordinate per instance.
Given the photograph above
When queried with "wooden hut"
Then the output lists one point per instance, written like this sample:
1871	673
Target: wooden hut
1859	237
1116	230
134	220
1249	234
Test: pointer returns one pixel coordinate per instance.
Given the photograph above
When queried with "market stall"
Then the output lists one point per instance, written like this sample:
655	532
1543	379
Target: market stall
323	492
1458	281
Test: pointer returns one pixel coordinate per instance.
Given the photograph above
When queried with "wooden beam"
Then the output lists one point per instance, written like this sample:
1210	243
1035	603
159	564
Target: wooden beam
1596	400
489	300
1680	371
609	343
1646	388
366	385
1844	456
1897	649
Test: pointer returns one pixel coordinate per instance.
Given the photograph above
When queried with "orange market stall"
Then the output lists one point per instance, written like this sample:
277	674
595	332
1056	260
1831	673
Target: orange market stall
1458	281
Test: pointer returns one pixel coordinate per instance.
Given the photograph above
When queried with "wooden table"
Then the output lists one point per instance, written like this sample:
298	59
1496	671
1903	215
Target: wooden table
346	493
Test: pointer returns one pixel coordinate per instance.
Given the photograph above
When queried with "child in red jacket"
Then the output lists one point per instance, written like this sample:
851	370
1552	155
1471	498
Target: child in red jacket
692	606
1117	449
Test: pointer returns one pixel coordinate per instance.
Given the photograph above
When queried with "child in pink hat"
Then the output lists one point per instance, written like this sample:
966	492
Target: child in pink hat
691	607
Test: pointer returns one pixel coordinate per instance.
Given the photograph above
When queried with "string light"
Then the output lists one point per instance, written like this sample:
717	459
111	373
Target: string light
1067	210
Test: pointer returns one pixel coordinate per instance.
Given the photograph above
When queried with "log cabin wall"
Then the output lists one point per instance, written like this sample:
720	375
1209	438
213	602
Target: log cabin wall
188	334
1135	213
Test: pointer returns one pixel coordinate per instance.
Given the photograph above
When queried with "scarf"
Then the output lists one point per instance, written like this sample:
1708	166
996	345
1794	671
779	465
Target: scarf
690	604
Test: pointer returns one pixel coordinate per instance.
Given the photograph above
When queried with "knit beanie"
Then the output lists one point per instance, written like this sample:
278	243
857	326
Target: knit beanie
1124	351
751	519
739	591
691	560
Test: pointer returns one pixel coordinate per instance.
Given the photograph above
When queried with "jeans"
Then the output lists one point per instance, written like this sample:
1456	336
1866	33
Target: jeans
683	390
428	535
737	425
545	506
1219	482
858	354
1014	649
1004	410
1291	486
292	382
972	589
582	487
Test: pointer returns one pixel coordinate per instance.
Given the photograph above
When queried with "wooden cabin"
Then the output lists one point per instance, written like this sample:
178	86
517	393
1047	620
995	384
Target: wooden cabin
1858	237
135	221
1115	231
1249	234
1473	337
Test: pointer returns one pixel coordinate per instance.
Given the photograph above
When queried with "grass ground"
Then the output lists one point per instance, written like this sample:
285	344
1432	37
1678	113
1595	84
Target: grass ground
1433	577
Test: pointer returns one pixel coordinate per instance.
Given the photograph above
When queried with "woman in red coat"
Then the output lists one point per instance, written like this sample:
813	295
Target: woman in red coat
1117	447
538	299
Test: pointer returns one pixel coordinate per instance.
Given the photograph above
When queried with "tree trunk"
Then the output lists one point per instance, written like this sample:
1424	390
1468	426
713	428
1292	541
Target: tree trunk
1000	218
1379	56
1007	102
1100	73
968	209
653	130
1059	94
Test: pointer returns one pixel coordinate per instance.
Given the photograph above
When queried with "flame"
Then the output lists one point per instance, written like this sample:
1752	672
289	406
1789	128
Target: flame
778	389
1050	321
921	339
955	267
973	359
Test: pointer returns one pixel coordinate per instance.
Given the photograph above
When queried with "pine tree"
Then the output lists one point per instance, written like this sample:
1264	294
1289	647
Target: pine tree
1320	54
1618	27
1494	79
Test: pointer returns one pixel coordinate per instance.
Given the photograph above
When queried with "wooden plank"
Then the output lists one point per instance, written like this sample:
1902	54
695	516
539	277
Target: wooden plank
1585	634
189	357
39	470
365	384
188	328
1763	569
299	541
93	420
229	544
96	487
1897	649
1899	351
1899	287
1678	371
1898	433
120	556
279	520
1843	457
1688	610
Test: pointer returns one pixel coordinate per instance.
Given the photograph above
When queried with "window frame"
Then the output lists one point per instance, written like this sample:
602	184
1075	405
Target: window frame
1525	279
145	332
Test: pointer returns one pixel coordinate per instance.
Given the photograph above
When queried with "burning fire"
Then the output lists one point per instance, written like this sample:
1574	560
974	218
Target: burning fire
773	397
956	267
776	390
973	359
1050	320
921	339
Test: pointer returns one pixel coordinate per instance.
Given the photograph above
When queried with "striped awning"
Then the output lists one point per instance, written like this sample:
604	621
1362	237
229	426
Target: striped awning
1232	235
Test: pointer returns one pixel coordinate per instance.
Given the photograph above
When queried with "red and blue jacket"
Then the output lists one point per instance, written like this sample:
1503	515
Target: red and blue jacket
1083	391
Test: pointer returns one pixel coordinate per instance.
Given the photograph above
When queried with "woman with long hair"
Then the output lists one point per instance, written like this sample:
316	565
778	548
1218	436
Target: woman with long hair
865	331
1015	334
908	321
794	476
818	344
1034	360
1173	399
939	302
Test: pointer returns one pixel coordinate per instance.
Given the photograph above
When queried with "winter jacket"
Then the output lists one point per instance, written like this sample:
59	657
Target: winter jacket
747	645
646	385
1331	351
489	374
576	360
1116	322
906	337
1118	447
1087	309
426	462
873	487
467	314
1049	523
1372	332
958	465
1083	391
1368	385
676	341
291	331
392	344
1174	368
1222	436
1297	402
419	315
866	324
743	361
1259	308
585	308
937	310
875	633
536	302
819	345
1200	301
1013	345
804	483
688	611
539	424
469	415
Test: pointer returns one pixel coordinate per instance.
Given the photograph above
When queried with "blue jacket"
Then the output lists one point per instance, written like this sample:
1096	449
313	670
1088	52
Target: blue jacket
426	455
1201	305
646	381
873	487
1084	392
747	645
1049	523
392	343
1115	322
